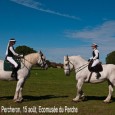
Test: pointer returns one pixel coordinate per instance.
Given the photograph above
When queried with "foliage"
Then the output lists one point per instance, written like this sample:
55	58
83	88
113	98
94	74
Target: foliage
24	50
110	59
54	64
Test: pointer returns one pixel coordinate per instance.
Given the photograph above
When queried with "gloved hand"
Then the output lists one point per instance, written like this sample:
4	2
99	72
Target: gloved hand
89	60
21	56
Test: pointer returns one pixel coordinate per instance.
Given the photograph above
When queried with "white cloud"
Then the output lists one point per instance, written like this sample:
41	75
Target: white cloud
28	3
104	32
38	6
103	35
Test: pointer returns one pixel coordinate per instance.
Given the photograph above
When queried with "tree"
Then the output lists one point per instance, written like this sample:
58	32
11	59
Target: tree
110	59
24	50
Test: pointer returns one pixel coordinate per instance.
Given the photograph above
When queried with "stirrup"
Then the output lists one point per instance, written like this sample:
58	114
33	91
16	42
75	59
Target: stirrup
98	75
14	75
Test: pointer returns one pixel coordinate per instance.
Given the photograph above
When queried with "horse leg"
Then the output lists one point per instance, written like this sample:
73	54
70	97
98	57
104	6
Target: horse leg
20	91
18	95
110	85
20	98
79	91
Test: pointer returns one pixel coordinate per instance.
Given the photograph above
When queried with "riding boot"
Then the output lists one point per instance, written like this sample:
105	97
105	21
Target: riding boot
98	75
14	73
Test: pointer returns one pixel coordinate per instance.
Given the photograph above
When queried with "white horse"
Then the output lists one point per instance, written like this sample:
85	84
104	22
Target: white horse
83	75
26	64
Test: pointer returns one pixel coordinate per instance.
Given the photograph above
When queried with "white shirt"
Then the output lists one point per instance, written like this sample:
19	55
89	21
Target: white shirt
96	54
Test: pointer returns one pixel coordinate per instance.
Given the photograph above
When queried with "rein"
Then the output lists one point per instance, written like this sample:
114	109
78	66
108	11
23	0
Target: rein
79	68
24	63
28	61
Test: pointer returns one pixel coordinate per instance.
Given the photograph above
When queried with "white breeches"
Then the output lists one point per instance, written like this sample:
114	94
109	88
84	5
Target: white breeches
11	60
95	62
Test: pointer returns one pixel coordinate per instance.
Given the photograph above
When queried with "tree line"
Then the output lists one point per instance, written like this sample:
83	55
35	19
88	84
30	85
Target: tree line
110	59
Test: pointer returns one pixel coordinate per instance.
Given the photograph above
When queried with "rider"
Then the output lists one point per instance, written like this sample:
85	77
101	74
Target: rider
95	58
10	54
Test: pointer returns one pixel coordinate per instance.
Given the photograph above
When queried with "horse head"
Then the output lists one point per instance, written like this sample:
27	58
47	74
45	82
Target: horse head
42	60
35	58
68	65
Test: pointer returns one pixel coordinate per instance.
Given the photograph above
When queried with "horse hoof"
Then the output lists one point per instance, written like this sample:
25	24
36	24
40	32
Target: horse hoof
18	101
107	102
76	100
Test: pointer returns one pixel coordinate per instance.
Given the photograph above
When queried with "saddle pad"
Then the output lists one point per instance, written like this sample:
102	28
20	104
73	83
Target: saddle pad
7	66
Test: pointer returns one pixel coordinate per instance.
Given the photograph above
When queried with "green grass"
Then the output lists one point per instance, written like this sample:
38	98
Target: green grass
49	88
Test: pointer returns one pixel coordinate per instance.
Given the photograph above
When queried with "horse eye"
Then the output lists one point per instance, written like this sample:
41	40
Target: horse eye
66	64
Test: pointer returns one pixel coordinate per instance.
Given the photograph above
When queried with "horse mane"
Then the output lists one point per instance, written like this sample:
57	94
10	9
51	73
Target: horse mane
78	57
81	58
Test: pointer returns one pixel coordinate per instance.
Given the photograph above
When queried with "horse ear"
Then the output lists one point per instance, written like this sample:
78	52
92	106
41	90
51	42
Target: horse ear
66	57
41	52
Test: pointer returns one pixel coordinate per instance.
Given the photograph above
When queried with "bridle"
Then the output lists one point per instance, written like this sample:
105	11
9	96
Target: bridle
76	69
42	60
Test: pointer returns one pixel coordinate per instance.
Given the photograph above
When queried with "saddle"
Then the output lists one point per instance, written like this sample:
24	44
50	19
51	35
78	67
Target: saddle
9	67
97	68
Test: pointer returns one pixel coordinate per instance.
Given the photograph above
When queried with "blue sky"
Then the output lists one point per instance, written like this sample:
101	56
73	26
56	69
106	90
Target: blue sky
59	27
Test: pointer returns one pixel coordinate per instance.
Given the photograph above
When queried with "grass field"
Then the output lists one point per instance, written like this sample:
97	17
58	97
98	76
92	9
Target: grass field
51	88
